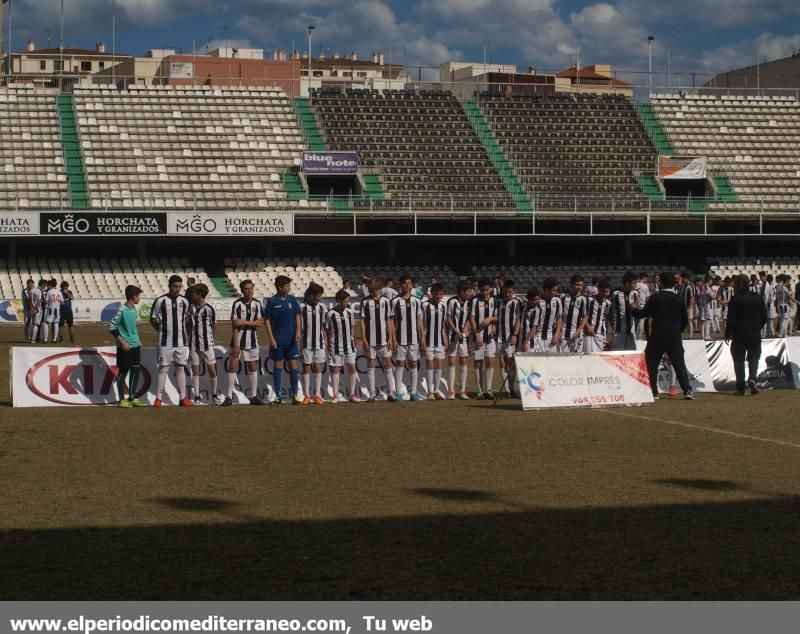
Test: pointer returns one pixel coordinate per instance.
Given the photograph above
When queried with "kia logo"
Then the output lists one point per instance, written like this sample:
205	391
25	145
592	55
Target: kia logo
79	377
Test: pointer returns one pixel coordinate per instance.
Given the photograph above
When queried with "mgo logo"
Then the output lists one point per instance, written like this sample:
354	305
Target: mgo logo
195	224
79	377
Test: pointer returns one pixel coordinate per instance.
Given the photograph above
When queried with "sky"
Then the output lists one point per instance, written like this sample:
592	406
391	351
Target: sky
697	36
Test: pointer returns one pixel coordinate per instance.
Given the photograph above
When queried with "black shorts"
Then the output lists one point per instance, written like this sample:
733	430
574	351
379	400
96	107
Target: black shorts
126	360
66	318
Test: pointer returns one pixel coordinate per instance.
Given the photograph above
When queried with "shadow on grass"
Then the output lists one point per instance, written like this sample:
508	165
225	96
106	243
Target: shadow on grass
703	485
732	550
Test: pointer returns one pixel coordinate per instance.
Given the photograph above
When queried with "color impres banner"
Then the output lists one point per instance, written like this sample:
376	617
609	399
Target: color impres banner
230	223
103	223
60	377
330	163
697	365
608	379
778	368
682	167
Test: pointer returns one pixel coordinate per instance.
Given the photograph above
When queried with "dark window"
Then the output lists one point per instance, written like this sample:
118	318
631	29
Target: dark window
102	65
57	65
86	66
42	65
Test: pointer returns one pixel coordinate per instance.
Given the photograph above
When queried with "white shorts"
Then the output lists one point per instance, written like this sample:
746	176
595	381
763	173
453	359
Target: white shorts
249	355
507	349
339	360
458	349
772	311
594	344
379	352
570	346
691	311
207	356
314	356
407	353
173	355
487	351
432	353
550	347
52	317
35	319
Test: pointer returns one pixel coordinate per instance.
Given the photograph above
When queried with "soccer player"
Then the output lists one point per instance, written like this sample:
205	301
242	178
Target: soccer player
552	317
689	300
247	316
378	338
30	285
42	311
203	319
458	333
768	295
723	298
434	314
622	301
598	316
509	323
591	289
716	308
530	337
409	337
388	289
642	289
169	317
783	304
482	325
703	303
123	328
575	315
339	325
282	314
67	318
314	344
52	316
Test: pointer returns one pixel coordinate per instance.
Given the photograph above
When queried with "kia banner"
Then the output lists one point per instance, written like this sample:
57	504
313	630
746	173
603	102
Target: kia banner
230	223
103	223
608	379
60	377
330	163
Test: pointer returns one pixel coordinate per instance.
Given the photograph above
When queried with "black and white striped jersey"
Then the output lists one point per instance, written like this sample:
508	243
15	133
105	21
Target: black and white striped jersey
36	299
725	294
434	317
375	319
551	311
53	299
202	320
687	292
620	312
340	331
458	313
599	315
509	312
312	321
405	312
171	313
574	312
247	311
530	319
481	310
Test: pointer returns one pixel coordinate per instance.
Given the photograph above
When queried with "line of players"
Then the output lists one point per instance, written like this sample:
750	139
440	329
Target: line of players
47	310
394	335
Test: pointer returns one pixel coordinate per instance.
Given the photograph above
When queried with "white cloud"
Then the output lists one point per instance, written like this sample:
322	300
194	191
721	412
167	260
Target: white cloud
747	52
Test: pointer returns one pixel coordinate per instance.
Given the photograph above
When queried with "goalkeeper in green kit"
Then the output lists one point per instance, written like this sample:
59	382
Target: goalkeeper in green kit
123	329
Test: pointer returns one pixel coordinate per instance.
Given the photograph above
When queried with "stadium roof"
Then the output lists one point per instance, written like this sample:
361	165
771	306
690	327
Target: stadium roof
76	52
589	73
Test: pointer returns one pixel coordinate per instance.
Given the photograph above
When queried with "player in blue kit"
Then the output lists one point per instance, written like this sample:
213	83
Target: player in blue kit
282	315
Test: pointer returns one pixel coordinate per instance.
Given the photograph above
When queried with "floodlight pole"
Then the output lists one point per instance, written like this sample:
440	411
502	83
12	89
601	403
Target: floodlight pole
310	74
113	40
650	39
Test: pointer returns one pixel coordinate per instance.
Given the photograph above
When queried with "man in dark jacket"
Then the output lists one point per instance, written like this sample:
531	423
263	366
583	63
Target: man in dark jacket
747	315
670	318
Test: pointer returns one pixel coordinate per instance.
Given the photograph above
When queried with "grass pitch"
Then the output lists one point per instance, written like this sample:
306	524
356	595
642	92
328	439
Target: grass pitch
433	500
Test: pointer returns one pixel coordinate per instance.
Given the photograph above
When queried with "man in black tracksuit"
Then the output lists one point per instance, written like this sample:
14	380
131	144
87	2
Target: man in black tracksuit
670	318
747	315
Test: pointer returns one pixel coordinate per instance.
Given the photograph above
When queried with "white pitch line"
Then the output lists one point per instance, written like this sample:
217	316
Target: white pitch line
713	430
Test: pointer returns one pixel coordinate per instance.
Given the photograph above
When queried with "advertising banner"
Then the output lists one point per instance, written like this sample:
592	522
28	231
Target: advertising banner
330	163
775	369
682	167
696	363
103	223
181	70
15	223
60	377
230	223
608	379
